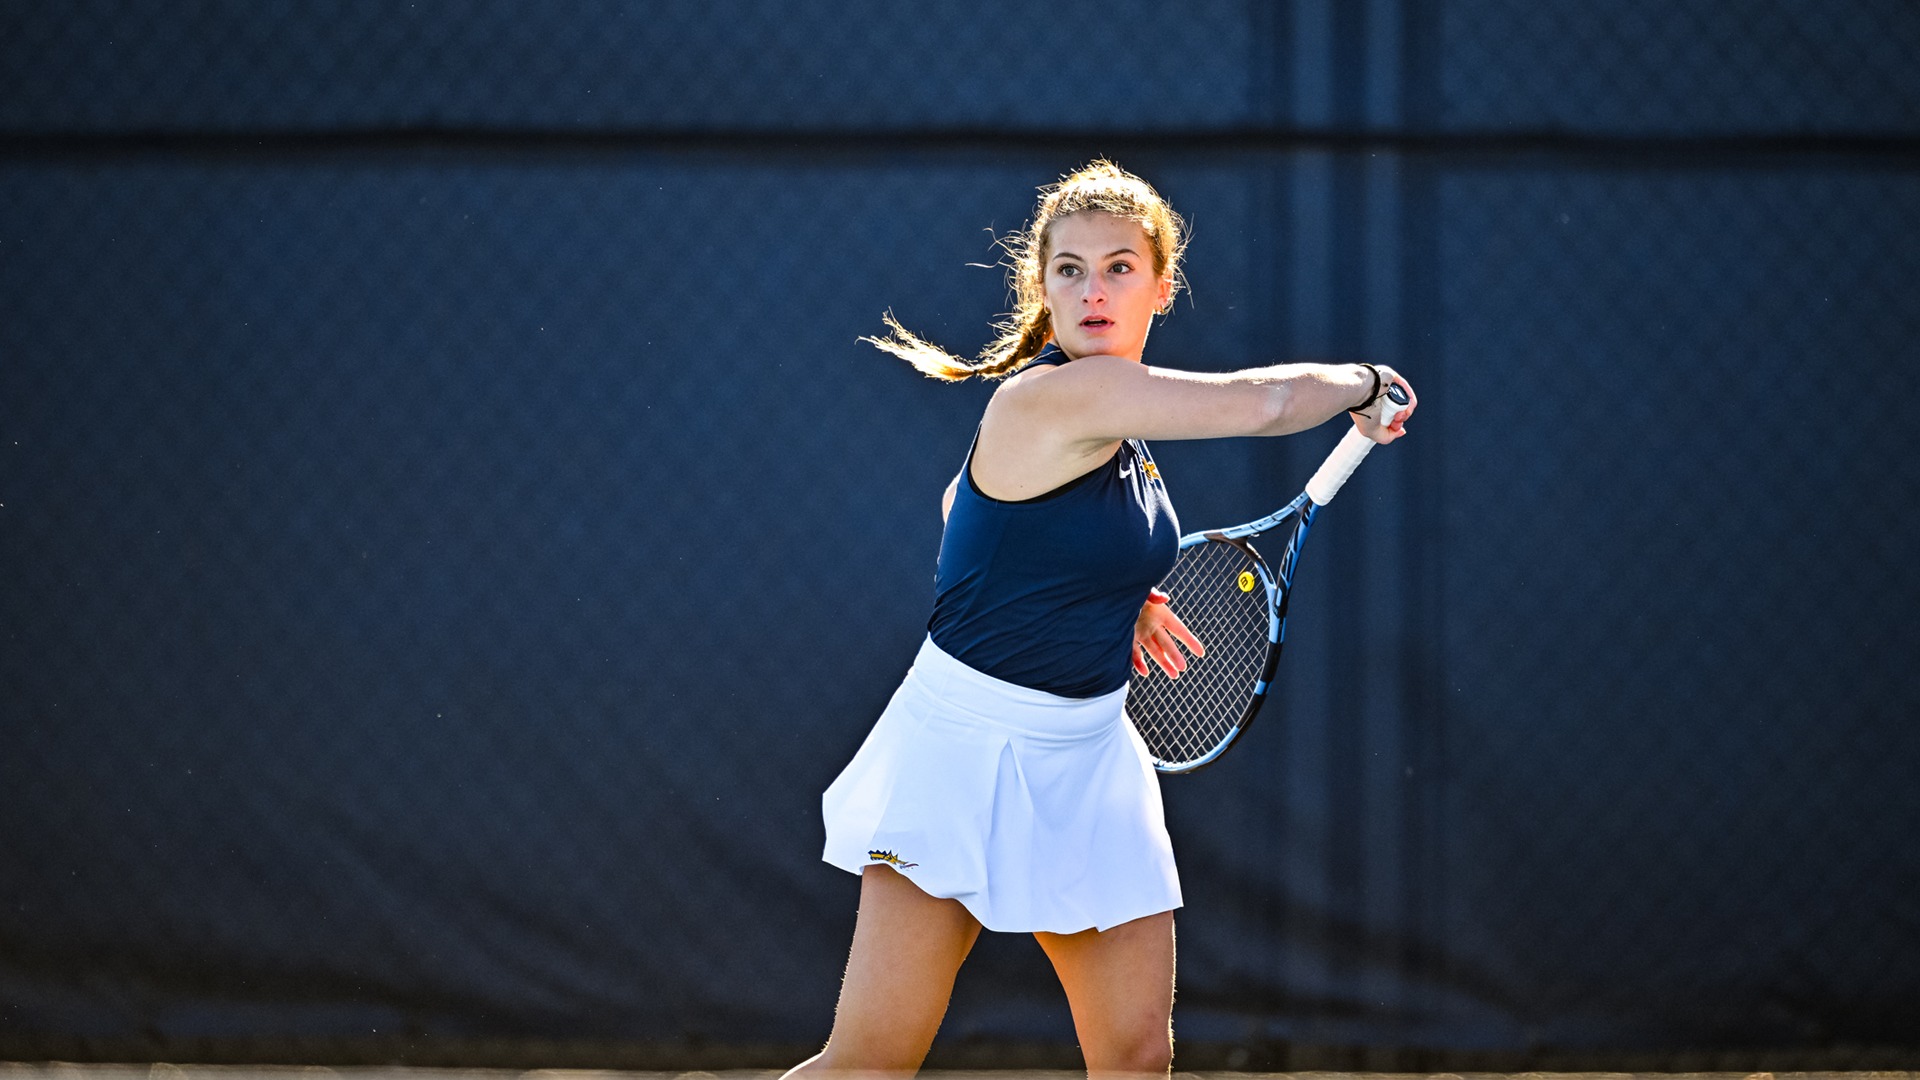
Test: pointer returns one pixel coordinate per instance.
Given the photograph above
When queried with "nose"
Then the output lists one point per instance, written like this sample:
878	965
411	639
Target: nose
1095	291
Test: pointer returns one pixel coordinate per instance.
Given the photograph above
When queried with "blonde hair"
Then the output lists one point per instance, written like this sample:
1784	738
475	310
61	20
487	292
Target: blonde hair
1101	187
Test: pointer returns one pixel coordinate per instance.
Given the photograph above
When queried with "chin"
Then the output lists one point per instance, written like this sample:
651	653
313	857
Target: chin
1077	347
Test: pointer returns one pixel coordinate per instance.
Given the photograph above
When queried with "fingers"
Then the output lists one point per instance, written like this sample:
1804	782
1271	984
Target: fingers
1184	636
1155	647
1380	433
1385	421
1158	637
1152	643
1399	414
1162	644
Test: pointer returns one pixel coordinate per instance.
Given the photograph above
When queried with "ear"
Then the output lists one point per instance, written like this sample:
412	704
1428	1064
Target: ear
1164	302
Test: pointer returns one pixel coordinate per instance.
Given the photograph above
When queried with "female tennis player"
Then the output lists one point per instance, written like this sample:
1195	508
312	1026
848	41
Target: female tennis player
1002	786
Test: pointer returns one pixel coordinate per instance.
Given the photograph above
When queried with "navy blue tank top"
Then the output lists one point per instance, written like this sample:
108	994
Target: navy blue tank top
1044	592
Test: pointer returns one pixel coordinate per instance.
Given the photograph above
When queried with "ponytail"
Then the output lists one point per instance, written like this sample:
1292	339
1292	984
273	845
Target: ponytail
1021	339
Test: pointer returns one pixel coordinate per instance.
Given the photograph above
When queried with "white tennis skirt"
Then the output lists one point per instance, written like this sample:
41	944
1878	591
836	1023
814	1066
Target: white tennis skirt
1036	811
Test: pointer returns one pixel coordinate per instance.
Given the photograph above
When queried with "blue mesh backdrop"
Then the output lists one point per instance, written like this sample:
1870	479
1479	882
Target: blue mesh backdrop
451	533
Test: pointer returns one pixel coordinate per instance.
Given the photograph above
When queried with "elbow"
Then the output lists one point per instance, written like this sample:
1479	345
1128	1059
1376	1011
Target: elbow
1277	412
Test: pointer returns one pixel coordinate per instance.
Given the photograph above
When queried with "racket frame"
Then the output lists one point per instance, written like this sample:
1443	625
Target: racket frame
1279	588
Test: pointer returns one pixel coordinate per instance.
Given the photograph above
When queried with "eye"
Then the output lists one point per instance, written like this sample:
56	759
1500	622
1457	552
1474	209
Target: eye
1121	268
1067	270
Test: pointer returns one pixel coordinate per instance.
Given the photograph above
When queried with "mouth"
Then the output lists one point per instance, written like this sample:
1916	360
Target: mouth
1095	322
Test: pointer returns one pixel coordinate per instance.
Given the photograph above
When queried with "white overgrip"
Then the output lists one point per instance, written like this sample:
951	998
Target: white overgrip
1333	472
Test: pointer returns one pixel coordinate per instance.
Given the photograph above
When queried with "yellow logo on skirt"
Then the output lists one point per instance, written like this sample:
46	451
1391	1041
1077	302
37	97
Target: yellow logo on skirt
889	857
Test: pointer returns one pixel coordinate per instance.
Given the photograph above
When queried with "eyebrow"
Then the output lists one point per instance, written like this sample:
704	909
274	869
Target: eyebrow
1108	255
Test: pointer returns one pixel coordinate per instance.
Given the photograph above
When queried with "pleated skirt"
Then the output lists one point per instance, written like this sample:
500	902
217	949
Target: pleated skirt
1036	811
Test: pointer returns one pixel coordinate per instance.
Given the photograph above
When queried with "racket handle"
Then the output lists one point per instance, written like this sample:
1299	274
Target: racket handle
1333	472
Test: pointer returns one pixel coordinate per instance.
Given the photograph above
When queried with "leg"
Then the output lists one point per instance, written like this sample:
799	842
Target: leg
907	947
1120	985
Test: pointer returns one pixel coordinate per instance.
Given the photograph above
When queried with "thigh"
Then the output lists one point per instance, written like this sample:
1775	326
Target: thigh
1120	985
907	947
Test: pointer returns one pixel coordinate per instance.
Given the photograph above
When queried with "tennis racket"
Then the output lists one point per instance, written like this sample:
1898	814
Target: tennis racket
1237	606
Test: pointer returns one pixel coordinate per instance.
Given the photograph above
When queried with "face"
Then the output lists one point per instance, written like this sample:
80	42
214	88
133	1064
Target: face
1100	286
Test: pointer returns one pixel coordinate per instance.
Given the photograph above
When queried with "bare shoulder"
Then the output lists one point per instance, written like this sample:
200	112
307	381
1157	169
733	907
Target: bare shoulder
1054	395
1037	384
1033	437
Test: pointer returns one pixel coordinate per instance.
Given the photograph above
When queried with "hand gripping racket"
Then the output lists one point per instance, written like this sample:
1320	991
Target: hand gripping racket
1234	603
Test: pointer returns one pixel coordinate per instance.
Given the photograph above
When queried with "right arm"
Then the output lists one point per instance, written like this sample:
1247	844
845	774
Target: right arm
1098	399
1050	424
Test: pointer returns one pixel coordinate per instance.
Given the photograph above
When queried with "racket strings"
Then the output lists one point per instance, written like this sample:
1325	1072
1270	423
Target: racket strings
1219	591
